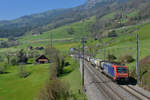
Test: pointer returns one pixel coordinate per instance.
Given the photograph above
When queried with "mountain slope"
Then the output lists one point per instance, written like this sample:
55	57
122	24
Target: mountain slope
38	23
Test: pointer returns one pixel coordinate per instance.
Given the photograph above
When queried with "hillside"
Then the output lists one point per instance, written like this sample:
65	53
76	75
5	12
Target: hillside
113	22
39	23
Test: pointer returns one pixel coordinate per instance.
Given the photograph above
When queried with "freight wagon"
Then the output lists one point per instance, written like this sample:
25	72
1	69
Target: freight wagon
92	61
97	63
88	58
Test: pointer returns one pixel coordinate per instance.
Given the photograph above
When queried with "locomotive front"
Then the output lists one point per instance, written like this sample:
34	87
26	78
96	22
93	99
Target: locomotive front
122	73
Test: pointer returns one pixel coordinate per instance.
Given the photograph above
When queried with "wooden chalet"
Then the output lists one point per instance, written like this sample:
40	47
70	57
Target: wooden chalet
42	59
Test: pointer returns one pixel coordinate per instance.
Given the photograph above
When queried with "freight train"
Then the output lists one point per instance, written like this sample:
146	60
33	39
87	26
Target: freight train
115	71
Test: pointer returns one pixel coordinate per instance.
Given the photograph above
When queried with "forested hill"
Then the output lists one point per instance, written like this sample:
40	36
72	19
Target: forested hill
38	23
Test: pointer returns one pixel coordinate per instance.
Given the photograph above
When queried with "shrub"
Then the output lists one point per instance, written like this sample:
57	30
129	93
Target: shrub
2	69
60	62
53	71
111	57
70	31
55	90
112	34
22	72
126	59
1	59
22	58
51	52
14	61
57	59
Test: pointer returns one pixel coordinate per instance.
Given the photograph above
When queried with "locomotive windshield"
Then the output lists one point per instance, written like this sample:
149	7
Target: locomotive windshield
121	70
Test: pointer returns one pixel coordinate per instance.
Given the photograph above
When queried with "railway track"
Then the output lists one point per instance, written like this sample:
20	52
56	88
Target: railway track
111	89
136	93
107	91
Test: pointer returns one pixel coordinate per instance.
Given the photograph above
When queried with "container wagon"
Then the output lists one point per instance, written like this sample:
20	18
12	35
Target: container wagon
88	58
97	63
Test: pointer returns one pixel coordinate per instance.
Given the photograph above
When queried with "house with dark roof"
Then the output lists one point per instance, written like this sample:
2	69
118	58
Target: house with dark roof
42	59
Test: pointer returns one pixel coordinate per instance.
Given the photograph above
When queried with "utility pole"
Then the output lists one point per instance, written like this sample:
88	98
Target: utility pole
137	59
79	54
82	41
51	40
104	51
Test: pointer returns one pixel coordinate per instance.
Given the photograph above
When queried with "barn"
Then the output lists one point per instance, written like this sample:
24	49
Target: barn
42	59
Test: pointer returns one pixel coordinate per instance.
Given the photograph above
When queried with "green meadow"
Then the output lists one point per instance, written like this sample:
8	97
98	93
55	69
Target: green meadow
73	77
125	43
12	87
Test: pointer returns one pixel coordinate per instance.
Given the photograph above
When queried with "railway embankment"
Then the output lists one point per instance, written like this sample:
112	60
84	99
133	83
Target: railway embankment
100	87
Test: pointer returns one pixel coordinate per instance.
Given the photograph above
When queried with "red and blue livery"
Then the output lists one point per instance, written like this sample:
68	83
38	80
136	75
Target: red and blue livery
116	72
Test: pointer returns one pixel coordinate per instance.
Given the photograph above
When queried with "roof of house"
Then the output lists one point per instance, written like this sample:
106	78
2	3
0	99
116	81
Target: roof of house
42	57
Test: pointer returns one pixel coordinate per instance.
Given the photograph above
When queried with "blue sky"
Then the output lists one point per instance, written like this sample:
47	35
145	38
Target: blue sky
11	9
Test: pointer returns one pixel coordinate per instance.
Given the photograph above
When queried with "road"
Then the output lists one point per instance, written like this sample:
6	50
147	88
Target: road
100	87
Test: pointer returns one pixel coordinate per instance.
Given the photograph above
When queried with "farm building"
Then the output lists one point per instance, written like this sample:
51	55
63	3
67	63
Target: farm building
39	48
42	59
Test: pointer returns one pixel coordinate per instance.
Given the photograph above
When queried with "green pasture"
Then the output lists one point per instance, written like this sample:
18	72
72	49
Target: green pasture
126	44
12	87
79	29
73	77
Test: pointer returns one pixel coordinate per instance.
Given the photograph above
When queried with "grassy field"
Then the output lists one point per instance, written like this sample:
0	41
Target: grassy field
61	39
126	44
108	16
79	29
12	87
73	77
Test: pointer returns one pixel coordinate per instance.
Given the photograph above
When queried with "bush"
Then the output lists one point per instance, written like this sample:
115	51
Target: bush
14	61
57	67
60	62
1	59
57	59
53	71
112	34
70	31
22	72
111	57
22	58
56	90
51	52
126	59
2	69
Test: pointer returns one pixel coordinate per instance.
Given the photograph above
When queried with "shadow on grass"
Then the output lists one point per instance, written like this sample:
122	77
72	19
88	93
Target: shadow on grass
29	63
68	69
25	75
4	72
66	72
67	64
